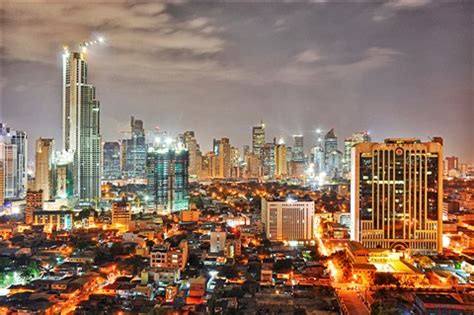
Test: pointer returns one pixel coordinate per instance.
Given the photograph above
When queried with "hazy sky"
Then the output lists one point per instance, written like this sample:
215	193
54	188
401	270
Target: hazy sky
397	68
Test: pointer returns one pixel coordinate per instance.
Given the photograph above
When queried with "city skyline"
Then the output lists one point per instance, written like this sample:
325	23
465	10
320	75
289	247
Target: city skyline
188	60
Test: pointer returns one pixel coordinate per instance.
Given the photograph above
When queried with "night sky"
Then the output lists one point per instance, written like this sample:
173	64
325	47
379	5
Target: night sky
396	68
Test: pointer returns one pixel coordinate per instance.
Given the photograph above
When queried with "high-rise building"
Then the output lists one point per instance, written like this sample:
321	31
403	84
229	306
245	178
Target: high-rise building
195	155
288	220
222	150
20	139
268	161
44	167
358	137
34	202
135	151
332	160
167	178
64	175
298	148
397	195
317	154
258	140
81	126
111	161
281	170
14	154
452	163
252	166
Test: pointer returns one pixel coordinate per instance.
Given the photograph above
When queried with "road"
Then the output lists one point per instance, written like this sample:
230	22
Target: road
351	303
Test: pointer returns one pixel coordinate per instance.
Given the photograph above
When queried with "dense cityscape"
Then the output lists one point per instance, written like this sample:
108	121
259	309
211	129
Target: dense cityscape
152	223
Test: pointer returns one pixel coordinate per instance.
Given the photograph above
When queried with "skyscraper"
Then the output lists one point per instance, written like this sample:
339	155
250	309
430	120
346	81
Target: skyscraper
258	140
111	161
195	155
135	151
268	161
298	148
81	126
20	139
332	157
356	138
44	167
397	195
452	163
13	153
167	178
281	170
223	157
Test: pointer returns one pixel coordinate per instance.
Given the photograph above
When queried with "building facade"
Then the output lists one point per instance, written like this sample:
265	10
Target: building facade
288	220
258	140
397	195
44	167
111	161
167	178
135	150
81	126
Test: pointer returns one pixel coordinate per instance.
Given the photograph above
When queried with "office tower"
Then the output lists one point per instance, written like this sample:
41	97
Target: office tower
167	178
81	126
268	161
44	167
195	155
121	213
356	138
334	164
210	165
397	195
235	162
223	157
20	139
288	220
135	151
298	149
64	175
258	140
281	170
34	202
111	161
317	154
14	155
252	166
452	163
246	150
331	159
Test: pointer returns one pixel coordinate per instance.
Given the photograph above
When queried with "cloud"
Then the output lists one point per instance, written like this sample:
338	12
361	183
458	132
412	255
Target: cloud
142	37
372	59
390	8
308	56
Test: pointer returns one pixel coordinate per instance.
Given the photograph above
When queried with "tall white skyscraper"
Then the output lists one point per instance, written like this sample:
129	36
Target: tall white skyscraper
397	195
81	126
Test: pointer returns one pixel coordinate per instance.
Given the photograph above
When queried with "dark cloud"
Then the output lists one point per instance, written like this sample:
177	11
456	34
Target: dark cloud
397	68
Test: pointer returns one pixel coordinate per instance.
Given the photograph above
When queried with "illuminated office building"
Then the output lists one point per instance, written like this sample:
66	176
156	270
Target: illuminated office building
258	140
81	126
288	220
135	150
268	161
64	175
298	149
281	170
111	161
167	178
356	138
397	195
44	167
